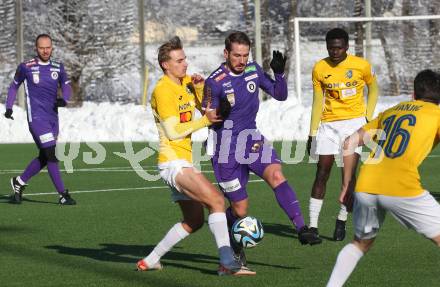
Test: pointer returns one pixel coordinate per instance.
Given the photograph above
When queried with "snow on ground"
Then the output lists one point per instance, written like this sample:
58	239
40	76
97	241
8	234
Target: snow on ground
113	122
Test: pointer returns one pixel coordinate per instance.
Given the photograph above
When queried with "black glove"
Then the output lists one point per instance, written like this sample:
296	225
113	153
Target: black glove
309	144
224	108
8	114
60	103
278	62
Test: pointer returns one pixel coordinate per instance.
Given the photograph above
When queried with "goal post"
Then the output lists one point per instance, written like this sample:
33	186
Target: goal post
298	20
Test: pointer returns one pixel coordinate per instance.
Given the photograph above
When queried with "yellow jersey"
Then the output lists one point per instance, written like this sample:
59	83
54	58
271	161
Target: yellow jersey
410	130
343	87
173	107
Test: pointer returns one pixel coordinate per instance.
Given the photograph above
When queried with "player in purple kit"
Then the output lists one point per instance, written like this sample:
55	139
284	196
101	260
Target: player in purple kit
41	77
236	144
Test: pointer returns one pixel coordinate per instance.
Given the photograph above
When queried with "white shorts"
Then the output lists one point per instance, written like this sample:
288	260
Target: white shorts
420	213
168	172
331	135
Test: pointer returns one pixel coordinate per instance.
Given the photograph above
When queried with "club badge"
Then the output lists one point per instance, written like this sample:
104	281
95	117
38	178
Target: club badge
251	86
54	75
36	77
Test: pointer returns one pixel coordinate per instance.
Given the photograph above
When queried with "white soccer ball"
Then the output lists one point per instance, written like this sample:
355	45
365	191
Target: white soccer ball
247	232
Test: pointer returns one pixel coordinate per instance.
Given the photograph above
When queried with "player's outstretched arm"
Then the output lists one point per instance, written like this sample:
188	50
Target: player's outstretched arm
278	88
350	162
278	62
175	129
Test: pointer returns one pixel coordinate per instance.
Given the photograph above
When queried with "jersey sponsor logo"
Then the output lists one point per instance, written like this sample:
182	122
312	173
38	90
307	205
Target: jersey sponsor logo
185	117
55	64
248	78
251	87
36	77
46	138
341	85
54	70
184	106
54	75
220	77
349	74
348	92
251	68
229	91
230	186
35	68
227	84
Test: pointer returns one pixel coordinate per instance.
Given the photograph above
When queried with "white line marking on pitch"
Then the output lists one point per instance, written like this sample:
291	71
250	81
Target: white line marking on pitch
112	189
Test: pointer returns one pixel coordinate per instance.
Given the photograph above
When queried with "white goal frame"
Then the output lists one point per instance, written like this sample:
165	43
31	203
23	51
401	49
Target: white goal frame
297	21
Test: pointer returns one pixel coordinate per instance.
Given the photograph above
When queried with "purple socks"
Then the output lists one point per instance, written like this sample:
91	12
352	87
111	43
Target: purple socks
52	167
32	169
287	200
55	175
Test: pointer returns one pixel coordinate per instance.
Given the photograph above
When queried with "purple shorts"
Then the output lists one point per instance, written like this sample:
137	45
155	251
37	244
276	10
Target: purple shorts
45	133
232	171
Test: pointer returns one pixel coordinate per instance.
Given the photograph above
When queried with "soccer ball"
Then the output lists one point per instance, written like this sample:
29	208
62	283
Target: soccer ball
247	232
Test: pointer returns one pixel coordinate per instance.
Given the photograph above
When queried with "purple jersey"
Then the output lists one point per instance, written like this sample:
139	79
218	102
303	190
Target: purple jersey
41	81
242	93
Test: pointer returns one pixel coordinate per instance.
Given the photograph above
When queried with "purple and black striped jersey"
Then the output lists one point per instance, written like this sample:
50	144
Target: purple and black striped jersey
41	82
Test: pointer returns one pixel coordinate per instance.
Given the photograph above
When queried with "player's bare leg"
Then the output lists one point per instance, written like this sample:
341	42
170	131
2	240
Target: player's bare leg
340	226
193	216
436	240
324	167
199	188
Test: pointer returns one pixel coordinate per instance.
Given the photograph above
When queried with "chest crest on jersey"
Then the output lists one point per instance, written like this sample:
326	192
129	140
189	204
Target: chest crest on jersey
251	86
36	77
54	75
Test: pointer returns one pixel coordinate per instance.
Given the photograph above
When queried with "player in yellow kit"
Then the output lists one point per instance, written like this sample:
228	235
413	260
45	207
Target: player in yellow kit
174	99
389	180
338	109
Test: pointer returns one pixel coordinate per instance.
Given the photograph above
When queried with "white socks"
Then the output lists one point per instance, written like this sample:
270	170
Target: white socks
347	259
219	227
20	181
343	214
174	236
314	210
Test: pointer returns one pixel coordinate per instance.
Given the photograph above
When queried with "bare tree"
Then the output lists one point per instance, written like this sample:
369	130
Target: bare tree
265	35
290	37
359	28
385	31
